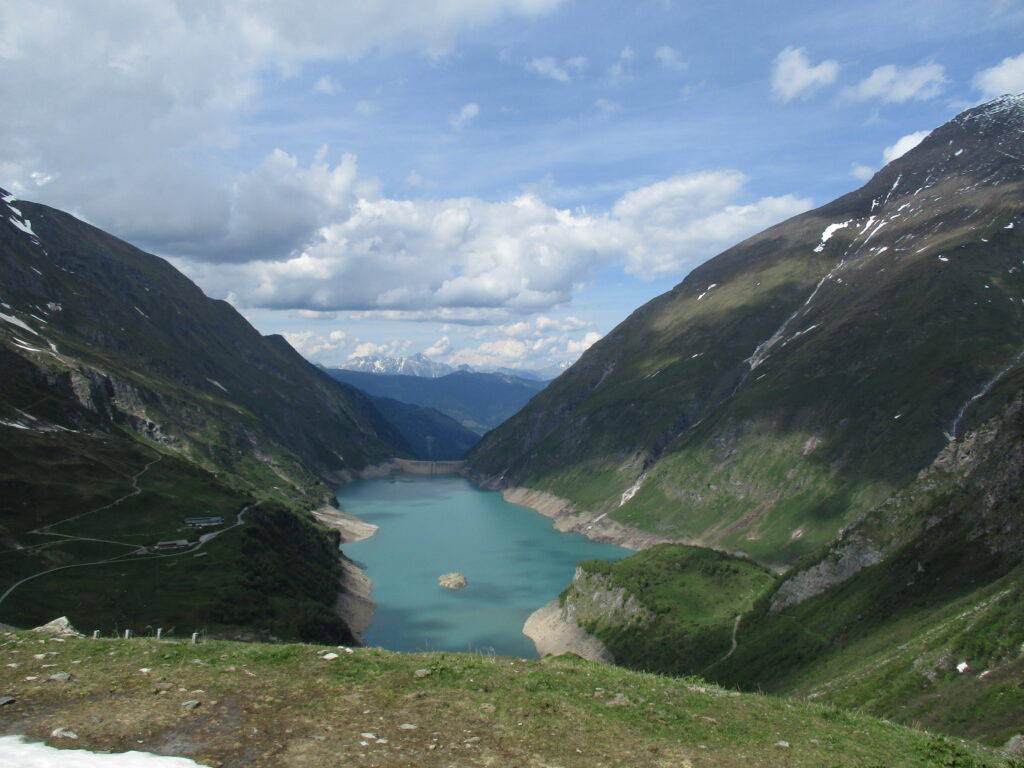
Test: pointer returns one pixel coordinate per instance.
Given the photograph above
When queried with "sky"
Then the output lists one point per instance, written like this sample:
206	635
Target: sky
489	182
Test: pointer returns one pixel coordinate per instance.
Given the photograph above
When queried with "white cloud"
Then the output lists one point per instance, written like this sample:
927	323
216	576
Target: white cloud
1005	77
904	145
492	354
467	113
794	76
576	63
606	108
464	259
365	108
862	172
439	347
326	86
575	348
617	73
549	67
684	220
369	349
899	84
154	87
312	314
669	58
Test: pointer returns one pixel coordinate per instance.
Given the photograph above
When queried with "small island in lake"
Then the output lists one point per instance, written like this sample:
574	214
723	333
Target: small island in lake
452	580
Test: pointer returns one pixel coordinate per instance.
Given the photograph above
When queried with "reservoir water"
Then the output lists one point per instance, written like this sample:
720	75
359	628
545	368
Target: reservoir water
513	559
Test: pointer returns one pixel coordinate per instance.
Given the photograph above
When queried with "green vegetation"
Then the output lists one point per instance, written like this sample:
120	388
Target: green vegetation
430	434
78	526
368	707
691	597
783	390
129	402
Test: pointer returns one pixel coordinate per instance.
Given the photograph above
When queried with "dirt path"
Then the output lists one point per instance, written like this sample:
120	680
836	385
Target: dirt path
142	552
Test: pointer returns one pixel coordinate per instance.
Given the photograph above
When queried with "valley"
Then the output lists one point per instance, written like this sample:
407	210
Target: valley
814	443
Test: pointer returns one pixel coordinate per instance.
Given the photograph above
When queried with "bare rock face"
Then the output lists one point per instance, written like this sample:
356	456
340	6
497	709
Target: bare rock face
59	627
452	581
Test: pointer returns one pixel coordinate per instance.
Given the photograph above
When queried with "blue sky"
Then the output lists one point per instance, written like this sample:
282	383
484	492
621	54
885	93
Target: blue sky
494	182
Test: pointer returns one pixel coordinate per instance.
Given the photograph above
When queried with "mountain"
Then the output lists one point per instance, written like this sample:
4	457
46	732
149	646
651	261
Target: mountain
417	365
791	384
130	401
541	374
430	434
914	612
478	401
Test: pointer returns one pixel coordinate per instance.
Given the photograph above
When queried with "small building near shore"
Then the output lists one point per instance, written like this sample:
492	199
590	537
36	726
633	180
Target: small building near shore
203	522
174	544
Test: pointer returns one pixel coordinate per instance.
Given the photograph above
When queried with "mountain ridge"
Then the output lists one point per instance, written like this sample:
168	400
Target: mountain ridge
797	379
131	402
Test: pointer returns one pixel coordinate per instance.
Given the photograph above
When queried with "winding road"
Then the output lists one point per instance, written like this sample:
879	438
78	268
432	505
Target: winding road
141	553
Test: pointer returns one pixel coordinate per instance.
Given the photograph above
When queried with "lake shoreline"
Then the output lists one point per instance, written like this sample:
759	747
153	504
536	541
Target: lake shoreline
354	603
555	632
568	519
546	627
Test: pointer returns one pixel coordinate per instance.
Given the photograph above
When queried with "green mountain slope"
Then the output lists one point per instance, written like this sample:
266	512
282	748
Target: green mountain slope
130	401
913	613
795	381
478	401
430	434
884	617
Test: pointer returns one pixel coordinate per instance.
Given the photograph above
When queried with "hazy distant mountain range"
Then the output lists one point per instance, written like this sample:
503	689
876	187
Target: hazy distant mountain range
421	365
477	401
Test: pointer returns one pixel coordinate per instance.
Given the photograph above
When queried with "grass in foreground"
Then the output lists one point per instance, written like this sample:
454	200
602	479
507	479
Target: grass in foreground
233	704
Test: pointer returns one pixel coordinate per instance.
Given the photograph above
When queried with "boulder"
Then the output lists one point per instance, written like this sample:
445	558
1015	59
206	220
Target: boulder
59	628
452	580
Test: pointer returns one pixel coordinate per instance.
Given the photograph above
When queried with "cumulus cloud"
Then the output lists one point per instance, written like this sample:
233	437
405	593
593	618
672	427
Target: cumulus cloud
1005	77
618	73
371	253
669	58
793	75
467	113
862	172
575	348
326	85
899	84
548	66
158	84
904	145
439	348
687	219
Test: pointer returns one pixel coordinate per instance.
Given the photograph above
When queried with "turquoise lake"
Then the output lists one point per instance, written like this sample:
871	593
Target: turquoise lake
512	557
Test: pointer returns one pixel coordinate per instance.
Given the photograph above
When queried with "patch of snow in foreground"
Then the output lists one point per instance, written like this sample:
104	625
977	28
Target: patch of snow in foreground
16	752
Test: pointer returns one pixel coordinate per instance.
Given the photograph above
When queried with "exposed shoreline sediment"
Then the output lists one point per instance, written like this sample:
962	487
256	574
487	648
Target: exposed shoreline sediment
554	632
353	604
549	629
595	526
